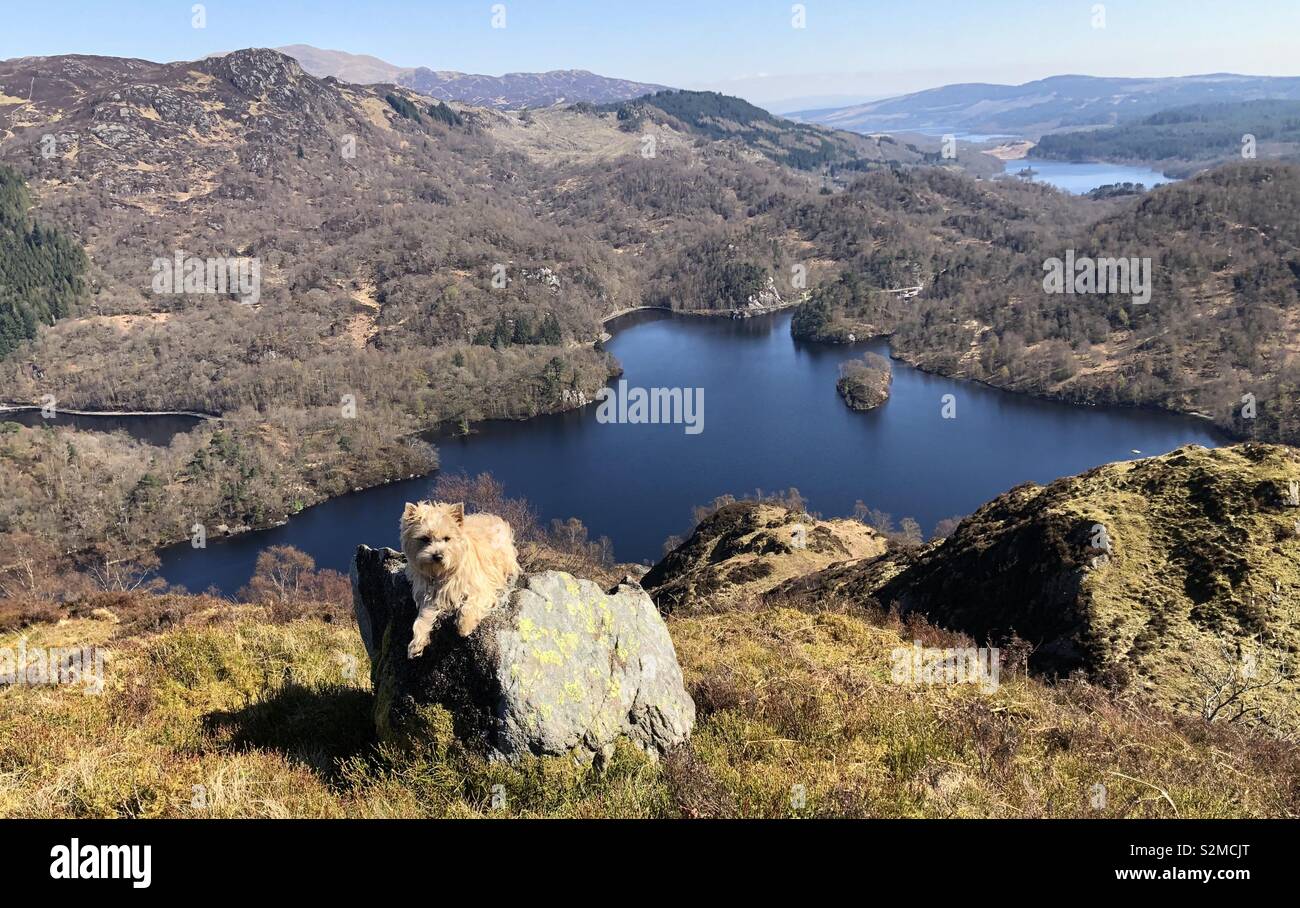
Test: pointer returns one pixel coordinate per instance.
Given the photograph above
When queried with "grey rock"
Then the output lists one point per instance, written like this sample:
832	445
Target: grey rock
560	667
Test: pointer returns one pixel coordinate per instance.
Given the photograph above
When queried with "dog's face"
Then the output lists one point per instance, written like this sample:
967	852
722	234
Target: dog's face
433	538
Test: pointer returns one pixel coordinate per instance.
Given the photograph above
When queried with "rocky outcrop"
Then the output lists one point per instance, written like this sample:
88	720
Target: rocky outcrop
858	580
561	667
749	547
1178	575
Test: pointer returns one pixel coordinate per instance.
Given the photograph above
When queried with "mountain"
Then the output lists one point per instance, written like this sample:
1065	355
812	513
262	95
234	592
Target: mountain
509	91
436	264
1035	108
787	106
359	68
440	264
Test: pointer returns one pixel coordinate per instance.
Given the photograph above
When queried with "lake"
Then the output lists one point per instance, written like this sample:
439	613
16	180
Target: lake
1080	177
772	420
1075	177
154	429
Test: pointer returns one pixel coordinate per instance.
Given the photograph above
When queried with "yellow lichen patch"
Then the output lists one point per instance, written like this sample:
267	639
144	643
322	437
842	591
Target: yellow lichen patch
567	643
528	630
549	657
574	692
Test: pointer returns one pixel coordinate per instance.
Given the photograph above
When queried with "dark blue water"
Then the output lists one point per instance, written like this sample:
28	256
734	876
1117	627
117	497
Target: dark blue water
772	420
155	430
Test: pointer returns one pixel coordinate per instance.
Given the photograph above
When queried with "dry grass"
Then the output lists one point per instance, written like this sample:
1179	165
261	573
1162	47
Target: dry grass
227	713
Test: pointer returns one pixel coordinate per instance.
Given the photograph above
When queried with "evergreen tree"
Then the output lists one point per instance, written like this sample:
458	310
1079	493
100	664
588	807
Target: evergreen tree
41	270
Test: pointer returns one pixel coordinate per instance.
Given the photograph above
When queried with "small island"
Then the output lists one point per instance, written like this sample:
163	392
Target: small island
864	383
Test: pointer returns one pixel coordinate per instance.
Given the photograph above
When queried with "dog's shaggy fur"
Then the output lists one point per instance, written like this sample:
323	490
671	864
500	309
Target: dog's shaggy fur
456	563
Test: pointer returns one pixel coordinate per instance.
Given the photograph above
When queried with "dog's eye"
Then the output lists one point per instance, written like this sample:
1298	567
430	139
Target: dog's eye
425	540
446	539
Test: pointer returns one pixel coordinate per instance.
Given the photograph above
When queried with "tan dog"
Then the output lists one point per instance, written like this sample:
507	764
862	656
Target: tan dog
456	563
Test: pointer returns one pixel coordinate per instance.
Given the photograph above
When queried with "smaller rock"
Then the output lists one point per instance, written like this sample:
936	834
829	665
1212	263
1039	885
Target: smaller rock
799	537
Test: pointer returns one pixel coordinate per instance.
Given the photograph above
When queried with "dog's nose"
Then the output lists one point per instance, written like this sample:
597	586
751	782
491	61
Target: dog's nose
436	556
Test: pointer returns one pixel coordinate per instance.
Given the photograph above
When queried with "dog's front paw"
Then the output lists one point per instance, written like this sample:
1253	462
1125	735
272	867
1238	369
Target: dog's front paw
416	649
466	622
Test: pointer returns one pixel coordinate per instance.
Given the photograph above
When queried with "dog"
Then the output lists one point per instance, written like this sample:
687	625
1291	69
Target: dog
456	563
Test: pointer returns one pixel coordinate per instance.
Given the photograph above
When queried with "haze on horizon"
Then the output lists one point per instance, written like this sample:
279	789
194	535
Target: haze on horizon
848	50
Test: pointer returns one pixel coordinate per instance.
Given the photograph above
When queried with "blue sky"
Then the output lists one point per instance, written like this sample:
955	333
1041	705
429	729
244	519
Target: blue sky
746	47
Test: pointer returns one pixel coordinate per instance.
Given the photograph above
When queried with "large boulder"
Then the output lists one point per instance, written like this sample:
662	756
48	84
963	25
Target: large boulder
560	667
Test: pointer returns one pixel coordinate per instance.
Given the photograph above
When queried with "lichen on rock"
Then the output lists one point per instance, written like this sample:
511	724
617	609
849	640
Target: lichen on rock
561	667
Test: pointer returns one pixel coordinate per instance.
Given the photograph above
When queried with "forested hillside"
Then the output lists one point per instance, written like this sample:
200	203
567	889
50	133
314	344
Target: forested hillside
1221	324
1202	133
41	269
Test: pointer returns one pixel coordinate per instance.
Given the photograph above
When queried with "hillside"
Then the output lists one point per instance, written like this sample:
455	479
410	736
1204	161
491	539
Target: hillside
510	91
1045	105
1185	139
378	227
1162	576
1220	323
719	117
264	708
271	718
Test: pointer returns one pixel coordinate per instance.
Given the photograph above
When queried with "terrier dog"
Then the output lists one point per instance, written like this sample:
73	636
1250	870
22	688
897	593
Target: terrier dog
456	563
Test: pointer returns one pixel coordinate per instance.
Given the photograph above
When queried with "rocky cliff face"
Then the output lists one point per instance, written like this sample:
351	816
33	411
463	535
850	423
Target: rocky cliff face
1176	574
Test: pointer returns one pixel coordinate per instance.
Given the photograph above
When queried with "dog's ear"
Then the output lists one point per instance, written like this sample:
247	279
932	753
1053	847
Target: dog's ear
410	511
458	513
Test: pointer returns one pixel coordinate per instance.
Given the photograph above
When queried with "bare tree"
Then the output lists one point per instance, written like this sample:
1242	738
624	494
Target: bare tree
1231	684
122	574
